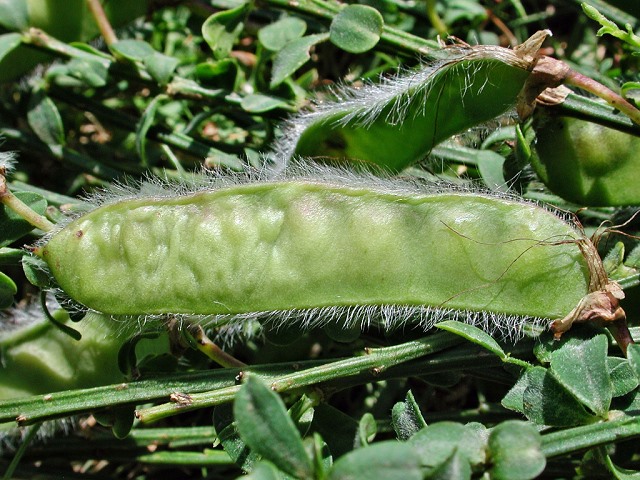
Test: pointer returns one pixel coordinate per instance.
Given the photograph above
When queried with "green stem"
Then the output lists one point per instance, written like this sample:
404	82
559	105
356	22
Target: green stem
14	203
576	439
31	433
204	344
466	357
374	362
435	19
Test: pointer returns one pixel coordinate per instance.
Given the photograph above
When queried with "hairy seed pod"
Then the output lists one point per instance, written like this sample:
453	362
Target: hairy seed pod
38	358
320	245
586	163
398	122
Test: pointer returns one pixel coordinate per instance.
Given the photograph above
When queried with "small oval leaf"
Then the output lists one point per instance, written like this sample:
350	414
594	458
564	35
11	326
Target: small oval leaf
161	67
265	426
45	120
293	56
258	103
390	460
581	368
274	37
132	50
8	289
357	28
515	451
473	334
8	43
14	14
222	29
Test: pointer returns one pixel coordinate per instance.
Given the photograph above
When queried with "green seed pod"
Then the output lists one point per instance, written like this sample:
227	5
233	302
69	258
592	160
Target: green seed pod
399	121
586	163
38	358
320	246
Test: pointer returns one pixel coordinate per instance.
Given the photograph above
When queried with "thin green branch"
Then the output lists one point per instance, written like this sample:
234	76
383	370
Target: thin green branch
61	404
576	439
31	433
12	202
375	362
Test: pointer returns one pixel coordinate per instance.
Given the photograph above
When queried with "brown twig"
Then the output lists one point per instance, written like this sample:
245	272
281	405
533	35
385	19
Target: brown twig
101	19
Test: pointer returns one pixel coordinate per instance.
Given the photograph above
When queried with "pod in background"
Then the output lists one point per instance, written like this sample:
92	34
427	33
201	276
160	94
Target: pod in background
398	122
38	358
584	162
319	245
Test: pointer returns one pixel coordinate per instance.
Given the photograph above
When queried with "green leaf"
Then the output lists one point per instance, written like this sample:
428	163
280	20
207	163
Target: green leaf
357	28
222	29
367	429
633	354
146	122
515	451
45	120
619	473
263	423
491	166
473	334
455	467
258	103
8	43
580	366
623	378
12	225
293	56
474	443
338	429
36	270
132	50
406	418
275	36
609	27
14	14
230	439
8	289
389	460
546	402
437	442
514	399
263	471
123	417
160	67
220	74
321	455
94	74
11	256
631	91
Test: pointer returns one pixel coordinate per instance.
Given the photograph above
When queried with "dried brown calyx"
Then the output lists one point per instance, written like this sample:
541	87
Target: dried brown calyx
601	306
